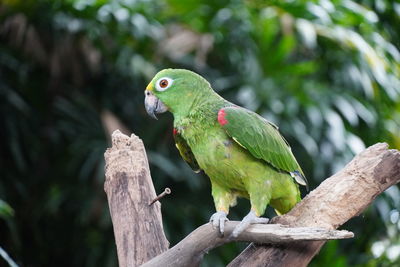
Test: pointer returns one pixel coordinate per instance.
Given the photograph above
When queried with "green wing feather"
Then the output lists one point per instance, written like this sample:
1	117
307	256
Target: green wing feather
261	138
186	152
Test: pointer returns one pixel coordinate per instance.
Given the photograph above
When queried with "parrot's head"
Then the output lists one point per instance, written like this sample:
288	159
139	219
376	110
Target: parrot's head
174	90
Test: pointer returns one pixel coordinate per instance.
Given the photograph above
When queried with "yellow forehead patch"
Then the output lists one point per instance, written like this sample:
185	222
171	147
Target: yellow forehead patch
150	87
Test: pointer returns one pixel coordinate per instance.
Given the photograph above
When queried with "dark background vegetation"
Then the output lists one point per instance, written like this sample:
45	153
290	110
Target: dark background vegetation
326	72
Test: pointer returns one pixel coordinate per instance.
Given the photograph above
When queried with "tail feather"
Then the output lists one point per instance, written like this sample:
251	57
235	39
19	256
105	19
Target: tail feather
300	178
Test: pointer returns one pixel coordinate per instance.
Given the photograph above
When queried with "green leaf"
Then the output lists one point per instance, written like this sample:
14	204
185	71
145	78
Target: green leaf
5	210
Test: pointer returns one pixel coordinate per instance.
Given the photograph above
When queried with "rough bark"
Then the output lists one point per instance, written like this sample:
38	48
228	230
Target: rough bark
190	251
138	229
339	198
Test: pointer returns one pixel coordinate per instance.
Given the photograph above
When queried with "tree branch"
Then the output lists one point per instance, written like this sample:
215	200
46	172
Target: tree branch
138	227
190	250
339	198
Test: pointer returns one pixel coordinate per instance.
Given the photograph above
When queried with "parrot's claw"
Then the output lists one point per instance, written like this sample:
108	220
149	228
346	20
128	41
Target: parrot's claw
218	220
250	218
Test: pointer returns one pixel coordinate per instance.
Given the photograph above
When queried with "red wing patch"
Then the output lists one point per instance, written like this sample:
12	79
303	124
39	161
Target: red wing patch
221	117
175	131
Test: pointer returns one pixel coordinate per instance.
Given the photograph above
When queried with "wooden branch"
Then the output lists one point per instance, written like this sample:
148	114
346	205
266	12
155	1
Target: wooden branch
138	229
339	198
190	251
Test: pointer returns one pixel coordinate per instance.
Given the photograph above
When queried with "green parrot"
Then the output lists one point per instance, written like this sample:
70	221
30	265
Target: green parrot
243	154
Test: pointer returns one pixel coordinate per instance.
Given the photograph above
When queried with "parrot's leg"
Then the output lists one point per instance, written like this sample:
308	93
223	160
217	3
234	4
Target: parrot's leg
247	220
223	198
218	220
260	195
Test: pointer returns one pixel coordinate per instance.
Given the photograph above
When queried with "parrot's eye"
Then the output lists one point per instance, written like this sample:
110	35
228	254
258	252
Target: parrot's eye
163	83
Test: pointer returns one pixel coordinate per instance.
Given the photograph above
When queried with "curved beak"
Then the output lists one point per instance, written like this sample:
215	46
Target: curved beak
153	104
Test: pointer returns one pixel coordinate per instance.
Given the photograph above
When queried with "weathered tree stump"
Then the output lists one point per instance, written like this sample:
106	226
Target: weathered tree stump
138	228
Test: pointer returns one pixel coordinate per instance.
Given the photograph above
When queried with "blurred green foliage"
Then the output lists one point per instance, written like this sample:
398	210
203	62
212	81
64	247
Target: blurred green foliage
327	72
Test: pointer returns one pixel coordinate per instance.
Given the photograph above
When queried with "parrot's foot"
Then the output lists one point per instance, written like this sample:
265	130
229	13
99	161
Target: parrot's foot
218	220
250	218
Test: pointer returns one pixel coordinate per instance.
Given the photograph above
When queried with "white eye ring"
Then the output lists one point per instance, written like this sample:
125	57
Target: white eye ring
163	83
